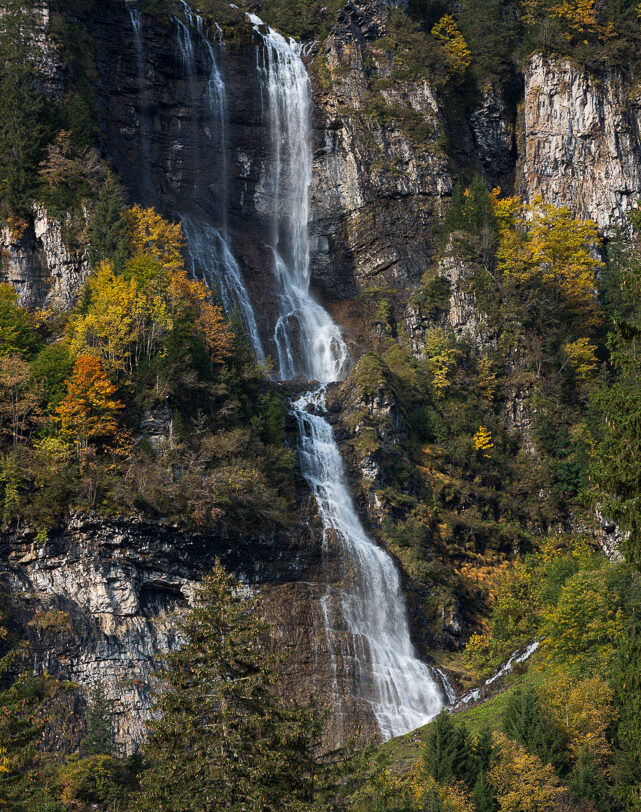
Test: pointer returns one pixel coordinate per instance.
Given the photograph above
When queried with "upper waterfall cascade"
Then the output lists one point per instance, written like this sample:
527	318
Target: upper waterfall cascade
400	689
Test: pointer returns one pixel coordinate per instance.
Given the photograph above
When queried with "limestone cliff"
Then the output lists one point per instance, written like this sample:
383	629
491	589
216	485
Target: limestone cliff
580	140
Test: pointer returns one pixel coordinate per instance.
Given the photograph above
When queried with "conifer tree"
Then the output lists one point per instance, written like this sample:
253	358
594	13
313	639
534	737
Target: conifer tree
224	740
23	110
108	228
99	740
447	751
527	722
483	795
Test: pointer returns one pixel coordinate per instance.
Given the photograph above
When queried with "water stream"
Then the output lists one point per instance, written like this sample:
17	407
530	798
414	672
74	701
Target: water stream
375	662
381	663
143	128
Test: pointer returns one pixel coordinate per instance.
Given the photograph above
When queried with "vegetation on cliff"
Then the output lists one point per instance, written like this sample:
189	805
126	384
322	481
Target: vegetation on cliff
146	345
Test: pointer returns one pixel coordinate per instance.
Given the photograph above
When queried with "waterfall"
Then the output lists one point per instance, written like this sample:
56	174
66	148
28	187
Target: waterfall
143	126
307	341
400	689
210	254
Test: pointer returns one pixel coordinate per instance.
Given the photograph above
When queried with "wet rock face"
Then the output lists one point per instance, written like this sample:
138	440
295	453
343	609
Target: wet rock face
580	141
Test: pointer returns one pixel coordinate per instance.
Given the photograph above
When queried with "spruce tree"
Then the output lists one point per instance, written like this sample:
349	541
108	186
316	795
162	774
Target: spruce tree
23	110
527	722
483	794
99	740
447	751
224	740
108	228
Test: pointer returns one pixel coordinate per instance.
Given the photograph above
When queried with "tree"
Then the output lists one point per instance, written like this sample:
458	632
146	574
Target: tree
112	326
527	722
545	246
100	735
447	32
151	234
584	627
521	781
23	110
446	756
17	336
108	237
224	740
18	398
483	794
90	409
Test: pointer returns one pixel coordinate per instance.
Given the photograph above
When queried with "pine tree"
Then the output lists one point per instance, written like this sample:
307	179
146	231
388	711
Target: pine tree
527	722
108	228
224	740
588	783
447	751
483	795
100	734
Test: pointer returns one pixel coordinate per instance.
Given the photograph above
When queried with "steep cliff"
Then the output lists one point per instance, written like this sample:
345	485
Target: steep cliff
580	140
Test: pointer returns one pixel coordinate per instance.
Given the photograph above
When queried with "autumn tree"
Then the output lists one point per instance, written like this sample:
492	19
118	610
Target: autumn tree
153	235
90	410
18	397
544	248
521	781
447	32
223	739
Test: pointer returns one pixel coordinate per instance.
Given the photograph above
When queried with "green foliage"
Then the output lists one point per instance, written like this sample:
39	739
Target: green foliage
108	238
447	751
24	113
527	722
224	740
17	335
99	740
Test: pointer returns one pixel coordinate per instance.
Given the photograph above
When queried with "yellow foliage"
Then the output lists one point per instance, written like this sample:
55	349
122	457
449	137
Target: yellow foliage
541	242
455	798
4	761
521	781
585	709
582	355
129	317
579	17
487	378
447	32
483	441
111	326
152	235
441	357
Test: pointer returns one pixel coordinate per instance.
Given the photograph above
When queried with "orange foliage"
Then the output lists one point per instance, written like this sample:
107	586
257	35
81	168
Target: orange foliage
90	409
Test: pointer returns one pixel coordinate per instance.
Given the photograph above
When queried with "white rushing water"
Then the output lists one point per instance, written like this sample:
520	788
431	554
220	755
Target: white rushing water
210	254
307	340
400	689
